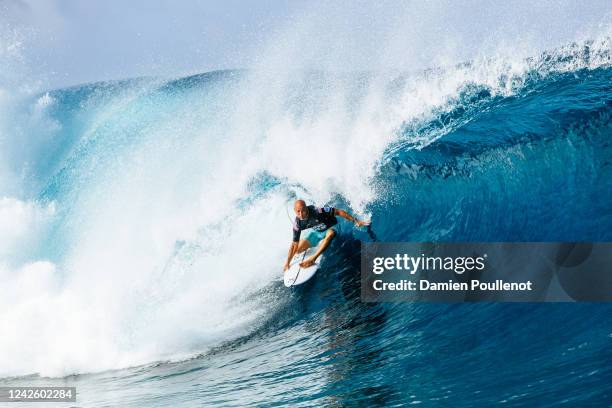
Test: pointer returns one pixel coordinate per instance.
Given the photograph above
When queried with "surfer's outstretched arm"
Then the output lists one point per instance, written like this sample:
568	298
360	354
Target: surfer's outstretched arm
352	219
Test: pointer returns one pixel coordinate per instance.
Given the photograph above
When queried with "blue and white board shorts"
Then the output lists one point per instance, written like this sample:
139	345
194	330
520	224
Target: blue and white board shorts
314	237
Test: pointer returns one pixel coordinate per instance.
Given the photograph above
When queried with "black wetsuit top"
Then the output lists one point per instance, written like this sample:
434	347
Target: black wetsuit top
319	219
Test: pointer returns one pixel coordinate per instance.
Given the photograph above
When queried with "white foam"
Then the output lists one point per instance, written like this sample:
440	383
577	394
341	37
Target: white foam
22	223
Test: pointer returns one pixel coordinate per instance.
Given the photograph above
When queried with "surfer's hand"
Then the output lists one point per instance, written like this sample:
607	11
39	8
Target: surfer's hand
307	263
362	223
286	267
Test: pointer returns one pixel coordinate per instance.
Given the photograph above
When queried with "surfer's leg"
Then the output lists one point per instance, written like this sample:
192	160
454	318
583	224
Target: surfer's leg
313	238
325	243
303	245
322	247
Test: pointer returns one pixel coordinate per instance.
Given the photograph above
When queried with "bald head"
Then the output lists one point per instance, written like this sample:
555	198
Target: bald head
300	209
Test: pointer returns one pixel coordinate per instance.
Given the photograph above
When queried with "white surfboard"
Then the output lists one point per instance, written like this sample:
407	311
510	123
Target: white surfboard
296	275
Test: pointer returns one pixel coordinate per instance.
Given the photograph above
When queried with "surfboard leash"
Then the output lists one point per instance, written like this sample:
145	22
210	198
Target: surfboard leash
297	275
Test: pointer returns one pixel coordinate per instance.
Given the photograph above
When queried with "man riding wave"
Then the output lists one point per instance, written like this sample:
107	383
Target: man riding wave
322	224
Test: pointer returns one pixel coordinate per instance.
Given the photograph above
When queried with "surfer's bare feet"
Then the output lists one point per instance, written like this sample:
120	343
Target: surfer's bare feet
308	262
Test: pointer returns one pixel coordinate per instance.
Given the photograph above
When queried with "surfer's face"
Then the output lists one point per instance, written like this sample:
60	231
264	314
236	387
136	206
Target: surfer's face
301	211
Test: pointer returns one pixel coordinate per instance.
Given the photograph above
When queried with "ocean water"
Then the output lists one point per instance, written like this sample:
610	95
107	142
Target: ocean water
143	229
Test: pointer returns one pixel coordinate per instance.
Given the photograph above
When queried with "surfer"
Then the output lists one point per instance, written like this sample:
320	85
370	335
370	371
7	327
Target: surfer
322	222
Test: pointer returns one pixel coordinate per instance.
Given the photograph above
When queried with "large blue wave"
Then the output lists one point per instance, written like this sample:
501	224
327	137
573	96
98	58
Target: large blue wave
534	166
168	229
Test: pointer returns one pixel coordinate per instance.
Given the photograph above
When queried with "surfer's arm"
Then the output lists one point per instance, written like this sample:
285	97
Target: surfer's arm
292	250
294	244
349	217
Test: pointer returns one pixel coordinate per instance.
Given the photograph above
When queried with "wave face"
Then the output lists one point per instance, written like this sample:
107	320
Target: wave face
144	224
